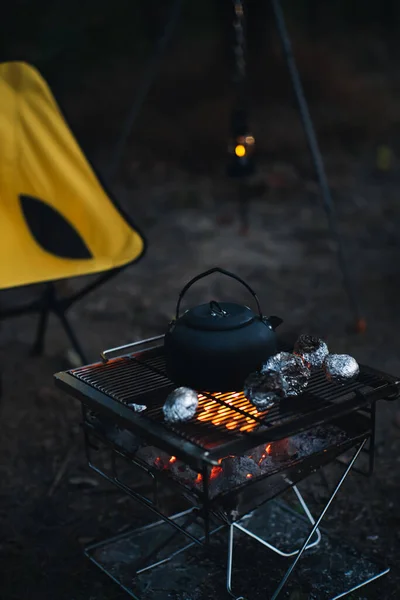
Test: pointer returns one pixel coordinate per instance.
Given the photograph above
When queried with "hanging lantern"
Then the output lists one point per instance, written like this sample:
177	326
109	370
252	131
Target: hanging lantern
241	147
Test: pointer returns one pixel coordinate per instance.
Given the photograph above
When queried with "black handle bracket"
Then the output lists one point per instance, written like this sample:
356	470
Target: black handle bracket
210	272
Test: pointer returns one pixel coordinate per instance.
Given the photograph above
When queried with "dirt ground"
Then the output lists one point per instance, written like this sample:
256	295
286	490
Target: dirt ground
288	258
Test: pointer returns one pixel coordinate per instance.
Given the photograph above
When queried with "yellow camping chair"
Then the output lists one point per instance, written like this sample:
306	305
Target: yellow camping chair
56	220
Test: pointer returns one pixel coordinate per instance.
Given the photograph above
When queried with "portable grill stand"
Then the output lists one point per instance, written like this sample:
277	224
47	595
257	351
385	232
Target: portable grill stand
90	385
115	480
193	513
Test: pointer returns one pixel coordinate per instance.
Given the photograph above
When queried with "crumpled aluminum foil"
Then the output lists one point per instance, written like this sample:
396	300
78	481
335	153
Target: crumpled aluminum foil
137	407
264	389
181	405
341	368
294	373
312	350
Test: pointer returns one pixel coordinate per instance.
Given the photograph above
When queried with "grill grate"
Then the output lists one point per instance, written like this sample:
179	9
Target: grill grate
227	421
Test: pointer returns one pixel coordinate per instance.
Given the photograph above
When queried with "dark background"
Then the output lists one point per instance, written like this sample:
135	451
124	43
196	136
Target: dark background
92	54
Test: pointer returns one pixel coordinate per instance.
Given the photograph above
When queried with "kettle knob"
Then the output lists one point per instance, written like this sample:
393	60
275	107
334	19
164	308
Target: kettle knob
217	310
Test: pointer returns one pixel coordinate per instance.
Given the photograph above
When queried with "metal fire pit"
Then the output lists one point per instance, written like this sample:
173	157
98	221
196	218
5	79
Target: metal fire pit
287	442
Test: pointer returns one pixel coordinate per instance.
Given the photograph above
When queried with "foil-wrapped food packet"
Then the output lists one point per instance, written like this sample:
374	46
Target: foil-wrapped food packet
292	369
312	350
340	368
263	390
180	405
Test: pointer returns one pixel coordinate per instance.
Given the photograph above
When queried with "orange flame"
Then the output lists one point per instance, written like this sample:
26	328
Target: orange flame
268	450
218	414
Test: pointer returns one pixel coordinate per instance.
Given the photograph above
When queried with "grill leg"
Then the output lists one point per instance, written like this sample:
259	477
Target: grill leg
315	527
274	548
267	544
306	544
230	564
143	565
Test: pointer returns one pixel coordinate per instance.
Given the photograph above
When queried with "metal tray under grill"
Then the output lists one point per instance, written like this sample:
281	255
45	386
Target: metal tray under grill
109	388
238	494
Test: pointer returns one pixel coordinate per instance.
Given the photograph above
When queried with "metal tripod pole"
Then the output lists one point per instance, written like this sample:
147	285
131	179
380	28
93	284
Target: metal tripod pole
145	85
318	162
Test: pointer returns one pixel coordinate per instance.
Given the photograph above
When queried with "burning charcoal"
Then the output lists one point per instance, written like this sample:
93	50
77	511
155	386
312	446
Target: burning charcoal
233	471
264	389
181	471
257	454
275	452
154	457
238	469
294	373
318	439
137	407
181	405
312	350
267	464
340	368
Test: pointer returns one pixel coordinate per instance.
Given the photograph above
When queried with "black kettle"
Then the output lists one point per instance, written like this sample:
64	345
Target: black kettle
214	347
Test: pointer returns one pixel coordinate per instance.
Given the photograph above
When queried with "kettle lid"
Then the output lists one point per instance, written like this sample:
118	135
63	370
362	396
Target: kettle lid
218	316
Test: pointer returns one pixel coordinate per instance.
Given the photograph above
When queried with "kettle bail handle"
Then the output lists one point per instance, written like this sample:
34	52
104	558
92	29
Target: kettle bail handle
210	272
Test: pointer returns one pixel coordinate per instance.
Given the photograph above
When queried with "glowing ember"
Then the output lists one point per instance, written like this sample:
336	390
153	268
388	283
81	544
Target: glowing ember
211	411
215	471
267	451
231	468
230	472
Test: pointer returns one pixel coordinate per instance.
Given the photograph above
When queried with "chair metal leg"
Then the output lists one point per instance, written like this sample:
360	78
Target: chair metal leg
38	345
49	303
71	336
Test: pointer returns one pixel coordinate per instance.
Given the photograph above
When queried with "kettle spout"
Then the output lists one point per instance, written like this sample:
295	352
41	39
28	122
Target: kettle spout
274	321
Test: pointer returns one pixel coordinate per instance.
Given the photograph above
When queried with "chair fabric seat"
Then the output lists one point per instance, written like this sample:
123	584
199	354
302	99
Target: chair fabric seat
56	219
